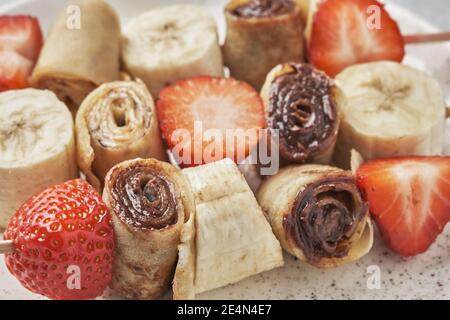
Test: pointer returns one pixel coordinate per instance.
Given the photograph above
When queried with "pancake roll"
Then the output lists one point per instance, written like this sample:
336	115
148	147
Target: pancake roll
302	108
260	35
149	201
76	58
116	122
317	214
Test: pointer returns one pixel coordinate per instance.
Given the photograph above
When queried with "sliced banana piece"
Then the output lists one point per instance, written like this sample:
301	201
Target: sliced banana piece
391	110
37	146
171	43
232	238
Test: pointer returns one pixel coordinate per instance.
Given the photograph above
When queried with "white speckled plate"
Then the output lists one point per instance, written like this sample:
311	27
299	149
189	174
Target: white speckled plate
423	277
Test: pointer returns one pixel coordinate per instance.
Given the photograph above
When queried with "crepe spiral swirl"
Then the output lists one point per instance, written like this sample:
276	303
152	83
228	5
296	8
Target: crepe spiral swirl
116	122
149	202
302	106
318	214
325	216
145	198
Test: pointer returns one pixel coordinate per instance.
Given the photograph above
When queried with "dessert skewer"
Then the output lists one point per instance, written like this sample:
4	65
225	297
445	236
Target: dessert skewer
426	38
6	246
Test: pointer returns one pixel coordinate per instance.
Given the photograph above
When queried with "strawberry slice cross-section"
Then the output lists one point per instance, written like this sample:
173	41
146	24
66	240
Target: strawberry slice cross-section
409	198
348	32
21	41
205	119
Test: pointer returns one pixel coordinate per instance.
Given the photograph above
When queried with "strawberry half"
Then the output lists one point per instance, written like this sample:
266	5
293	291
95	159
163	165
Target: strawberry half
205	119
348	32
14	70
409	199
21	34
60	234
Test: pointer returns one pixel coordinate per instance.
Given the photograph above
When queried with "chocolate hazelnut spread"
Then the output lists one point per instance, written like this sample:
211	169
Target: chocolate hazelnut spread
302	107
144	198
264	8
325	214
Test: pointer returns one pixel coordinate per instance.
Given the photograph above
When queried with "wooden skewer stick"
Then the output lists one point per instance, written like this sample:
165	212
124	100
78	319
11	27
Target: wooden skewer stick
427	38
6	246
448	111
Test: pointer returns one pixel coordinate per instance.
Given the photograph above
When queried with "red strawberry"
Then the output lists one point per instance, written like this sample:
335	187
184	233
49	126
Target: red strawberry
57	234
212	103
347	32
409	199
21	34
14	70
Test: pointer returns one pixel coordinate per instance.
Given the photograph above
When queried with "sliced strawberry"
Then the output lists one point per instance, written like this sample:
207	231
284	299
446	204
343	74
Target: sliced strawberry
347	32
14	70
21	34
220	104
409	199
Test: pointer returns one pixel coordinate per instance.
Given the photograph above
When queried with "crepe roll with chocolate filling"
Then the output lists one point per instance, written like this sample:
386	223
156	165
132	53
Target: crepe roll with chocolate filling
260	35
80	53
302	110
317	214
149	201
116	122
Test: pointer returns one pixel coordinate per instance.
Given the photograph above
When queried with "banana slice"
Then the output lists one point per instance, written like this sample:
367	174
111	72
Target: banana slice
391	110
232	239
171	43
37	147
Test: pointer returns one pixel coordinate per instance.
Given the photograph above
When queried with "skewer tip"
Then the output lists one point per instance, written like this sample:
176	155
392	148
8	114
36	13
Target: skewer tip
6	246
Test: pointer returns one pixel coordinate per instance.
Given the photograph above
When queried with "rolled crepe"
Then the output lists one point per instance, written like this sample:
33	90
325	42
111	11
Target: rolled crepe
317	214
149	202
230	238
74	61
37	146
260	35
302	109
171	43
116	122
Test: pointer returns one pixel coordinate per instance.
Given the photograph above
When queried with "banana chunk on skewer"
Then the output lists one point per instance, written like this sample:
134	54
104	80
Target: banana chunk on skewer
171	43
230	238
37	146
391	110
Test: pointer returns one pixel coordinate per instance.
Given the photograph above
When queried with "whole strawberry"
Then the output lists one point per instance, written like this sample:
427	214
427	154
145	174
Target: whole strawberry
63	242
